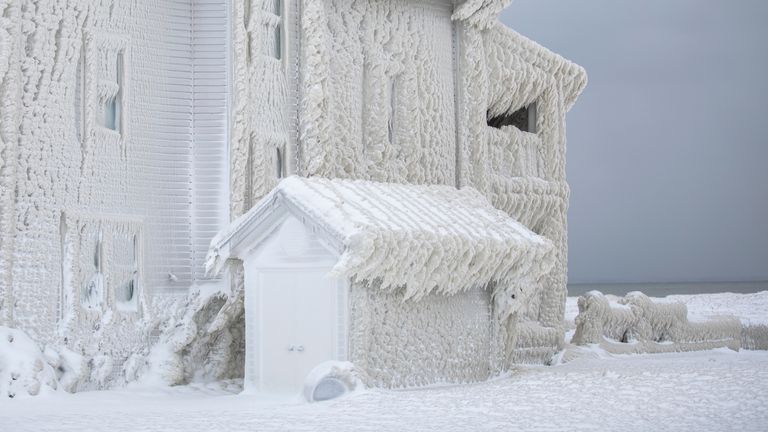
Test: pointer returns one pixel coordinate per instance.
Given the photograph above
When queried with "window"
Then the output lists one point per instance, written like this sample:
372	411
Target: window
93	289
278	46
279	172
278	52
110	94
523	119
105	86
392	110
126	264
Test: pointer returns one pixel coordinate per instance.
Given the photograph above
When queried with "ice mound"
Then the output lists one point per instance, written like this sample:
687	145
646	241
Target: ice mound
330	380
637	323
23	368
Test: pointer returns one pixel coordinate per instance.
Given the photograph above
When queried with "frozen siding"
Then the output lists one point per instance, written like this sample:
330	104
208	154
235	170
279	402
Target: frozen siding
210	43
85	174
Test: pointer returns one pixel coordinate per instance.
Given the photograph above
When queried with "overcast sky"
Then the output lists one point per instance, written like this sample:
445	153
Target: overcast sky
668	145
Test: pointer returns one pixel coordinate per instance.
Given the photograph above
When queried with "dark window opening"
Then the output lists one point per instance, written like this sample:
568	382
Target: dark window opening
391	124
523	119
279	164
278	48
126	262
112	103
246	13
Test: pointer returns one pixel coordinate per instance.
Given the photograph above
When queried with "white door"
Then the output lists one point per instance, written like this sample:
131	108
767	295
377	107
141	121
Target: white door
299	324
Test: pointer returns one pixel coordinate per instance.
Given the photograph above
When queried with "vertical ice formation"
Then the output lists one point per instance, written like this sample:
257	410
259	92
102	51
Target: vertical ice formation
635	323
378	91
10	100
260	90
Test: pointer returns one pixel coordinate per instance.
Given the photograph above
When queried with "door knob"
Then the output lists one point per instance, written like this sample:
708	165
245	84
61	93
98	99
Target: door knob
300	348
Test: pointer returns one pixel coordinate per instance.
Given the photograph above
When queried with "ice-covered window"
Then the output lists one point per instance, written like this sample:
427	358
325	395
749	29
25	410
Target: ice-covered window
523	119
392	110
278	47
105	85
110	92
278	53
279	171
126	264
93	289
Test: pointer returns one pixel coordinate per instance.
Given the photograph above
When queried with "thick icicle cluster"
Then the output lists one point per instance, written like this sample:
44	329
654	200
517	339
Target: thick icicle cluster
10	99
423	238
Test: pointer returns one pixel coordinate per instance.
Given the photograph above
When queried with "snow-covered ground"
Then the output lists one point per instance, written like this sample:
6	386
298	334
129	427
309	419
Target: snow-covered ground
706	391
700	391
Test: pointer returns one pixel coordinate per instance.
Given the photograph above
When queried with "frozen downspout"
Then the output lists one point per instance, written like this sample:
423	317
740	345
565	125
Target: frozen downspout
457	97
10	110
292	41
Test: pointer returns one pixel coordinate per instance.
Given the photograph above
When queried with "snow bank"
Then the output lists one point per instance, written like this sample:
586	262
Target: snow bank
330	380
750	309
23	369
636	323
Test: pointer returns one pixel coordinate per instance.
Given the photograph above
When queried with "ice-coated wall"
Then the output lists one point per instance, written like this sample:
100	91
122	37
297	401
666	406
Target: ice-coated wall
378	91
10	51
397	343
521	172
260	149
402	91
97	168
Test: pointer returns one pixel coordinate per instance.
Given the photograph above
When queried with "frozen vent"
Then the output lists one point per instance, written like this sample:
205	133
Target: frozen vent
330	380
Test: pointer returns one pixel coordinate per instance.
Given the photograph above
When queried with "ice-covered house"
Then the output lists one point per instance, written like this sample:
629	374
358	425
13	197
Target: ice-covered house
132	132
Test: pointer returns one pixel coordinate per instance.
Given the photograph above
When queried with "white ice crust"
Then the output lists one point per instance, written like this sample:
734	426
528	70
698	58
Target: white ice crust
637	323
423	238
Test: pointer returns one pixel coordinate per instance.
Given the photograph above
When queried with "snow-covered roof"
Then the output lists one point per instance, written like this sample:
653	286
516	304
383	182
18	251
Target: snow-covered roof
572	77
424	238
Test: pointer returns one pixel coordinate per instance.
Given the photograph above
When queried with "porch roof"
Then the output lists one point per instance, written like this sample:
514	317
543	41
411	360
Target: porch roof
423	238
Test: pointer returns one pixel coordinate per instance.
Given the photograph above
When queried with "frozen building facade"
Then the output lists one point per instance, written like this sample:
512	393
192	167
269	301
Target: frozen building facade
132	132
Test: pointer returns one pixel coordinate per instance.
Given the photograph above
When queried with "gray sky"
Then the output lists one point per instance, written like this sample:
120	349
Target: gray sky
668	145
